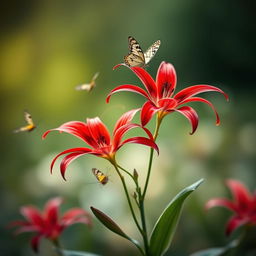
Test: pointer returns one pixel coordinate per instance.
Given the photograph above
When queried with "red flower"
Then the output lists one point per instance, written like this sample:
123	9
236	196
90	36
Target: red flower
48	224
159	95
243	205
95	134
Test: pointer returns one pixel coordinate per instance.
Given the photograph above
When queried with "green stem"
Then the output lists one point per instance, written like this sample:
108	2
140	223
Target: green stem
56	243
141	196
140	205
246	241
128	199
143	222
127	173
148	173
137	245
158	123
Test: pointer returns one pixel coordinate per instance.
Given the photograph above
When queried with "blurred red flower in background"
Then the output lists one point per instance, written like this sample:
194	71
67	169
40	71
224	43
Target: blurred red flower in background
96	134
159	94
243	206
48	224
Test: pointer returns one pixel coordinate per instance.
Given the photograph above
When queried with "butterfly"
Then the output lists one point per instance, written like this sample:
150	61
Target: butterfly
136	57
88	87
30	124
101	177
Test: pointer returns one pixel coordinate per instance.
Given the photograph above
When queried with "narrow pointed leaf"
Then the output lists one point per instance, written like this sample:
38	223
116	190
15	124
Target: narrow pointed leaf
165	226
73	253
216	251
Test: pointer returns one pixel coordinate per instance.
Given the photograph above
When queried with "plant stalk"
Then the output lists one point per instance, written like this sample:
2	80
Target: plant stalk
141	196
158	123
57	245
128	199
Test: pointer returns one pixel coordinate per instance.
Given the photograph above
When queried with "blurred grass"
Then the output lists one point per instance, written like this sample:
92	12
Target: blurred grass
47	48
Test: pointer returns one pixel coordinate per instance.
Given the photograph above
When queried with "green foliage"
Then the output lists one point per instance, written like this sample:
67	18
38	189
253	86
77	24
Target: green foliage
165	227
74	253
220	251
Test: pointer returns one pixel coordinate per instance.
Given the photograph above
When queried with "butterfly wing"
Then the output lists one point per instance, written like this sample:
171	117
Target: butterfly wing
101	177
135	58
30	124
88	87
93	83
84	87
151	51
134	61
28	118
95	76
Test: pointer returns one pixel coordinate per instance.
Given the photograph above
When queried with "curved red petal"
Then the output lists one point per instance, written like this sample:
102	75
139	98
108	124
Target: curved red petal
125	119
119	133
233	223
147	112
86	150
196	89
166	80
127	88
18	223
167	104
98	131
221	202
51	210
242	196
143	141
35	243
204	101
76	128
26	229
118	65
68	159
76	215
23	226
191	115
33	215
123	129
147	80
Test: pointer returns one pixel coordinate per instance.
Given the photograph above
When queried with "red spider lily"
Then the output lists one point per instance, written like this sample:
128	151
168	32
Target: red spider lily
159	94
243	205
48	224
96	134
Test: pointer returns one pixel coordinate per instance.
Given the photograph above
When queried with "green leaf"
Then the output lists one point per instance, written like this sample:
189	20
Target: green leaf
216	251
165	226
210	252
73	253
110	224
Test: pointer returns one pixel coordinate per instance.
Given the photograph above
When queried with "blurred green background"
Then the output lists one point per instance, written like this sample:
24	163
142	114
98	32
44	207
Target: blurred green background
49	47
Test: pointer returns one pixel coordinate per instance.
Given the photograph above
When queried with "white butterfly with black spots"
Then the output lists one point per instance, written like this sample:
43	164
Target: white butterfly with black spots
136	57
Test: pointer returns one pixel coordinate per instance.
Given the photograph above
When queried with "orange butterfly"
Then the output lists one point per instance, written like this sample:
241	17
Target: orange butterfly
30	124
101	177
